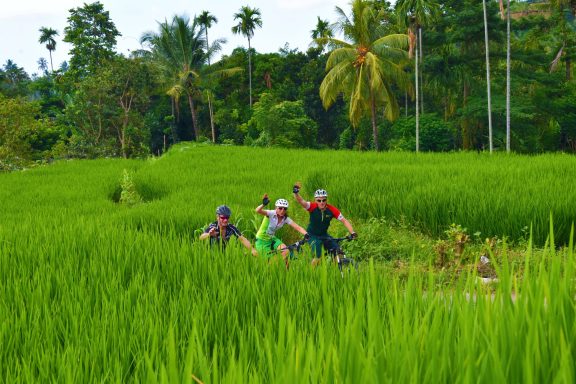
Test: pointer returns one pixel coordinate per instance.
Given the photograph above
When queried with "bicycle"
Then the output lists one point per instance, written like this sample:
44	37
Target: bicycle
338	254
297	246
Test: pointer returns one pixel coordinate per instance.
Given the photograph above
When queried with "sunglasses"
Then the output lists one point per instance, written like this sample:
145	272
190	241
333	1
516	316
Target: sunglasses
224	217
282	208
320	200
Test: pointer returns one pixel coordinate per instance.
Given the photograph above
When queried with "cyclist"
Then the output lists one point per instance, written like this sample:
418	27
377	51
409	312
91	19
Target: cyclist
266	241
220	231
321	213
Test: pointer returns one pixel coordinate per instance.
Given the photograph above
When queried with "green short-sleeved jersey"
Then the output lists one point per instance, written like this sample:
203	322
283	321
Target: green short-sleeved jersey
320	220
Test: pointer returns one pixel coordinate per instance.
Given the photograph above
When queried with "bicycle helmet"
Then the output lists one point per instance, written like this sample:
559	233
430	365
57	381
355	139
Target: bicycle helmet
223	210
320	193
282	203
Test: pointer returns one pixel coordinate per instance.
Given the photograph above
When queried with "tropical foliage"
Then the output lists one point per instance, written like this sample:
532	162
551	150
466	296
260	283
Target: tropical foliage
365	68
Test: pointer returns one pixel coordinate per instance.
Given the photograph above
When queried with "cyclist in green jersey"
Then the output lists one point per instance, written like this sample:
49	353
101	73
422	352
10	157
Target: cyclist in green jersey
266	241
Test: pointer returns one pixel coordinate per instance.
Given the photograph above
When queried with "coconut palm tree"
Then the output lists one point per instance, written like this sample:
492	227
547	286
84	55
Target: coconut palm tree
47	36
206	19
323	30
178	50
208	77
207	80
415	14
248	20
42	65
364	67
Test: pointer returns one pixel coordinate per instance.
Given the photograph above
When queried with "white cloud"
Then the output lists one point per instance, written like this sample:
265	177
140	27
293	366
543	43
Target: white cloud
12	9
302	4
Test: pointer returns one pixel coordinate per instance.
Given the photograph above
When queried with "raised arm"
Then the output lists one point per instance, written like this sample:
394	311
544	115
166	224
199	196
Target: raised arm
299	199
260	209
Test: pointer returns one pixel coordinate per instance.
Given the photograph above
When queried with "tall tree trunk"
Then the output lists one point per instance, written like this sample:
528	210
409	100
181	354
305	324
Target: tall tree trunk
417	98
51	65
175	119
421	69
194	118
488	77
210	110
209	98
123	135
250	71
406	103
207	46
466	140
501	3
508	76
374	126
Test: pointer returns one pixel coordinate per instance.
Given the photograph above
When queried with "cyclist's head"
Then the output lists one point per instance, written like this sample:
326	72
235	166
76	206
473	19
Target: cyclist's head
282	205
320	196
223	214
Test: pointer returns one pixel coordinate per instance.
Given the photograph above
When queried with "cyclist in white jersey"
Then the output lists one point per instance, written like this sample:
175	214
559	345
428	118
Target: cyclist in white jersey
266	241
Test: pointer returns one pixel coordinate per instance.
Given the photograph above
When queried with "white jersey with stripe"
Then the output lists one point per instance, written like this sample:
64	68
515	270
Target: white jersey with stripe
271	224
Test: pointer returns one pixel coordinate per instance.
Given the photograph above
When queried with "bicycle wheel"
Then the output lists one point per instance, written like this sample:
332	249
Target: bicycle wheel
346	262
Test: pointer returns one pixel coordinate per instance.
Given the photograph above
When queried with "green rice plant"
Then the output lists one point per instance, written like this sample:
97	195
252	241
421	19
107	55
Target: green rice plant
116	304
93	291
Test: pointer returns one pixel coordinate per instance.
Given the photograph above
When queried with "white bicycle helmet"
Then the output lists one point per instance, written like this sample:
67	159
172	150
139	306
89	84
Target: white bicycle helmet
282	203
320	193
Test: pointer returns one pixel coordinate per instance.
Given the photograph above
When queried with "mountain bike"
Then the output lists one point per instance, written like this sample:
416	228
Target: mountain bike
292	248
341	258
337	254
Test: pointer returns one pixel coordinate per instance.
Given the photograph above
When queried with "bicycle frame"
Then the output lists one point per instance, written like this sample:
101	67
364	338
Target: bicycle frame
338	254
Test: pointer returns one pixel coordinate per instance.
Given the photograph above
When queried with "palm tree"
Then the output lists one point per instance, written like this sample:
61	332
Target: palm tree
248	19
418	13
207	80
47	36
488	76
177	49
42	65
206	19
364	69
323	30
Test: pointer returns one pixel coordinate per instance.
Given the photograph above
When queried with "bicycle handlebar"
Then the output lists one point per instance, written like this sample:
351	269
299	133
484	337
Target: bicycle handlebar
297	245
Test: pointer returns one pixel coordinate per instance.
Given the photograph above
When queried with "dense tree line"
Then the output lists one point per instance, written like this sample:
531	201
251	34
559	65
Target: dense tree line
409	77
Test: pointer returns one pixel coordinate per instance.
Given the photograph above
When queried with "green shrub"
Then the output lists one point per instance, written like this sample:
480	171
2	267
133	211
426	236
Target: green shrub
436	135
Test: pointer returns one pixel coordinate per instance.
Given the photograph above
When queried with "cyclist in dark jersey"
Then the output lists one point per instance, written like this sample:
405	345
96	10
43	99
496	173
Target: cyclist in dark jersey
220	231
321	214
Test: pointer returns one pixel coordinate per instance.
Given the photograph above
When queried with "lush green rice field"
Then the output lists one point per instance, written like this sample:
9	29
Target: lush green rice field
95	291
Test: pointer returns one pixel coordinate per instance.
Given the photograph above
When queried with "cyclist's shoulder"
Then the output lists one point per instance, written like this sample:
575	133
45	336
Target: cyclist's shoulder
335	211
212	225
234	230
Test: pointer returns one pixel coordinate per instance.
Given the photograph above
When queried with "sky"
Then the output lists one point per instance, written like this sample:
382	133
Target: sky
283	21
